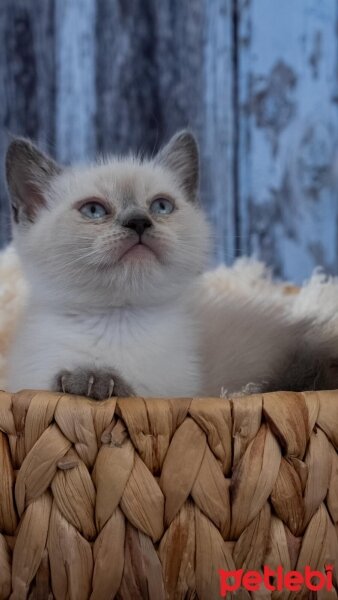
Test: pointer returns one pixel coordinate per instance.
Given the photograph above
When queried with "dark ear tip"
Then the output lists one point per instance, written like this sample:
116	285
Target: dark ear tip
19	144
17	148
181	156
24	155
185	136
186	141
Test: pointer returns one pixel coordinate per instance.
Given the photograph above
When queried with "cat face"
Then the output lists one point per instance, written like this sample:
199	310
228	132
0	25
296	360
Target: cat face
121	232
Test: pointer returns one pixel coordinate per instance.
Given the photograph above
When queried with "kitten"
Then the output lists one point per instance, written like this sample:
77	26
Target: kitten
114	255
108	252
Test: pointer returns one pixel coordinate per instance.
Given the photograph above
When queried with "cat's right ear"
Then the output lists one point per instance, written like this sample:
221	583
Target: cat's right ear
28	174
180	155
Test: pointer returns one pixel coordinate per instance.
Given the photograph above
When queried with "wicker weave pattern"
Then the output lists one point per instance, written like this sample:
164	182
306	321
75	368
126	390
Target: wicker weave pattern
139	499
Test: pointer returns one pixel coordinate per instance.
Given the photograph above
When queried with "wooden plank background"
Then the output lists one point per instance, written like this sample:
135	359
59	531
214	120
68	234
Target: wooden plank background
288	60
256	79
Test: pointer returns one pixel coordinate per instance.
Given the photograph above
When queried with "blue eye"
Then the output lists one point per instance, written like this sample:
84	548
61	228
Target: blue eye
93	210
162	206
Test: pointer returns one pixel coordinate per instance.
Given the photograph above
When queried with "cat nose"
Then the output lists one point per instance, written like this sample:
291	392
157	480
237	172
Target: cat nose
138	223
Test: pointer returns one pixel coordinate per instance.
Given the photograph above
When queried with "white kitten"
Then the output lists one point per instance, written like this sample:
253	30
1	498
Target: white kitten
113	254
109	252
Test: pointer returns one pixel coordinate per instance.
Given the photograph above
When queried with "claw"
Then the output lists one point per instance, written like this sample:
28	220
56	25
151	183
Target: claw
111	388
90	384
63	383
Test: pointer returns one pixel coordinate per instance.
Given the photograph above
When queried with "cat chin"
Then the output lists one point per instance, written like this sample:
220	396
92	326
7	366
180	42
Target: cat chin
138	253
145	283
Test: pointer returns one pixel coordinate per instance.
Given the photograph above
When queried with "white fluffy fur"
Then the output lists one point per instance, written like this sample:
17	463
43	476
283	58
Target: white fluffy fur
318	298
246	331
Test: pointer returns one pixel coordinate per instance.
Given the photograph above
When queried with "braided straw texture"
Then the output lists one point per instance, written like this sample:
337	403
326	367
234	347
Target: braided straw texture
147	498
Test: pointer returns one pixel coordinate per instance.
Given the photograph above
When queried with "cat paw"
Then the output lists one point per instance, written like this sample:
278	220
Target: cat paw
98	384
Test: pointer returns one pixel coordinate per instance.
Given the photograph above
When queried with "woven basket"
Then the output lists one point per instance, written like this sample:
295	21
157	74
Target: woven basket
139	499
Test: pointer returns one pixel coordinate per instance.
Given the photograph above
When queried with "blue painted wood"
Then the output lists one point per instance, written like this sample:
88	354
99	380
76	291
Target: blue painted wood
217	126
75	101
288	133
128	114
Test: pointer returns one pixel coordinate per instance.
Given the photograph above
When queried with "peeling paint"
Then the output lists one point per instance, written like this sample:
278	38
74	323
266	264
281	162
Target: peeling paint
315	159
319	254
316	54
262	238
287	209
288	158
272	101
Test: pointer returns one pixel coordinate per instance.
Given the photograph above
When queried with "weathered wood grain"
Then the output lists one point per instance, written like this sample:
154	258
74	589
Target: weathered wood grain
127	98
218	128
75	93
26	80
288	133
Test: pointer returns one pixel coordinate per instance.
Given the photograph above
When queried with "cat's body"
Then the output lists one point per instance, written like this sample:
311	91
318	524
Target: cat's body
153	350
113	255
251	343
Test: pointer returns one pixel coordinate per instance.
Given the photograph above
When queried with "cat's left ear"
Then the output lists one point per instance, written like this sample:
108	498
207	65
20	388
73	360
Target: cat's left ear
28	172
181	156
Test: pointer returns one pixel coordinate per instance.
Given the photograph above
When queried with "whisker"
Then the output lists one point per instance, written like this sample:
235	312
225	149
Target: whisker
82	257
